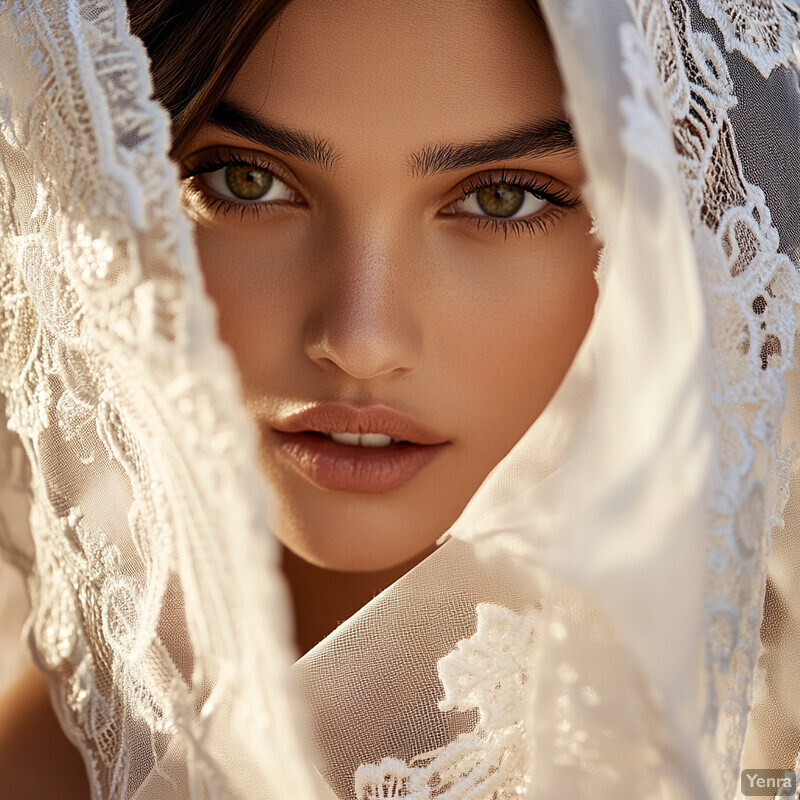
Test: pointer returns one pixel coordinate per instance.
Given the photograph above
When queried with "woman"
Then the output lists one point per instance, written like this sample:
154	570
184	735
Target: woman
353	179
356	321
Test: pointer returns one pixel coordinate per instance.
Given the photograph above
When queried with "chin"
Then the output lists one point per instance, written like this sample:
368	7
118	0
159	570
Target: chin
358	540
362	531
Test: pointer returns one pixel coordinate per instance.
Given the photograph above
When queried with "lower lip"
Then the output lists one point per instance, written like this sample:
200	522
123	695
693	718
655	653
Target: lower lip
353	468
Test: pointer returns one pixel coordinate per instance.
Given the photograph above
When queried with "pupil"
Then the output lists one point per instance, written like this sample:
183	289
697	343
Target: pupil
248	183
501	199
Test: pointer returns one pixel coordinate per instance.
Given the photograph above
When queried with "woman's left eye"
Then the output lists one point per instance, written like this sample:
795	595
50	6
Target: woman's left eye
502	201
513	203
247	183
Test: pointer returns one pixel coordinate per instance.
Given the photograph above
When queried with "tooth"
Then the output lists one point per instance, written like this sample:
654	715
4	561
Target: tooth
346	438
375	440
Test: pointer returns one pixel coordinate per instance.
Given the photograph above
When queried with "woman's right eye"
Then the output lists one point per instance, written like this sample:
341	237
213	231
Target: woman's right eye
246	183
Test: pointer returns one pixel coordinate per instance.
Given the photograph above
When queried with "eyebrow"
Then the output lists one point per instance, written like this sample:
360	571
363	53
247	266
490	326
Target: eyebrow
536	139
230	117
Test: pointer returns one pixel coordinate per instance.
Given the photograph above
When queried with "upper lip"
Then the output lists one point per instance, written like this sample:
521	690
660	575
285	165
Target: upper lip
342	418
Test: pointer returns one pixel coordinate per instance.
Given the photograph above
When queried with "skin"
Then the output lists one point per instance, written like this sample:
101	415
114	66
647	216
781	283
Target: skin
362	282
36	759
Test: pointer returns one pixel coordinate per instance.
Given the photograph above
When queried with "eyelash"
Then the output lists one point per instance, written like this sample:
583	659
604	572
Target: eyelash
191	178
559	198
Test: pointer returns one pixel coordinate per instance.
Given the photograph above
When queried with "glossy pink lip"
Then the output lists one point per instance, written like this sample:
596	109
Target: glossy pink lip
347	468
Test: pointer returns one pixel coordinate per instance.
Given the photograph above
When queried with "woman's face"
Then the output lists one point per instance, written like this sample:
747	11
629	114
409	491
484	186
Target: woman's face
389	221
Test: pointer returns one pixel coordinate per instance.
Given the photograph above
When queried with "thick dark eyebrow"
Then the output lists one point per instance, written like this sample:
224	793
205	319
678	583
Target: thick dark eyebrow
230	117
525	141
539	139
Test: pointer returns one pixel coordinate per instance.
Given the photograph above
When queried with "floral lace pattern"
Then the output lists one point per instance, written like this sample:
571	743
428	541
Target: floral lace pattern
752	296
487	672
763	31
126	405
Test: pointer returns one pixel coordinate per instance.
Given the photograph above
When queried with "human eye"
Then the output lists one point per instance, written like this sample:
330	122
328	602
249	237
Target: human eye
230	182
514	203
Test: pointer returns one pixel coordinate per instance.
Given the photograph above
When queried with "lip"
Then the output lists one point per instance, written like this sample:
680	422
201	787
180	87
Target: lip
346	468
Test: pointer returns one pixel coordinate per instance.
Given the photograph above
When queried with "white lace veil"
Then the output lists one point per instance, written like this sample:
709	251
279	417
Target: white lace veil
615	614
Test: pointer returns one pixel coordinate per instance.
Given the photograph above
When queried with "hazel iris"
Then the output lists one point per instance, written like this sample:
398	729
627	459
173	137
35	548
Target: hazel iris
248	182
501	200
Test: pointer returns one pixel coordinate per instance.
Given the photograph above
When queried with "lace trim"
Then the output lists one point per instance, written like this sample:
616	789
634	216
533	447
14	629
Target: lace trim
752	297
110	369
487	672
763	31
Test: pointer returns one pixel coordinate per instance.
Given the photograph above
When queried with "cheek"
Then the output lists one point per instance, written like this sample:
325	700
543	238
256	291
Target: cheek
253	300
523	339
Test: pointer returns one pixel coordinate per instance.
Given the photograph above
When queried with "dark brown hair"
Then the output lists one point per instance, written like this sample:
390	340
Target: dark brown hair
197	48
195	51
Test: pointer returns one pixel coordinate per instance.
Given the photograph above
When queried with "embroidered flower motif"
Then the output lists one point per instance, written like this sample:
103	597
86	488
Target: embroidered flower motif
486	672
489	670
391	778
763	31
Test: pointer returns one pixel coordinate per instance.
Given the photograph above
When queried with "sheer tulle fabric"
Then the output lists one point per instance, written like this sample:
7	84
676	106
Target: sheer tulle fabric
614	614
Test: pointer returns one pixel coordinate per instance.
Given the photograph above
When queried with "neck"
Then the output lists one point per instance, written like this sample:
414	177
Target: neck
323	598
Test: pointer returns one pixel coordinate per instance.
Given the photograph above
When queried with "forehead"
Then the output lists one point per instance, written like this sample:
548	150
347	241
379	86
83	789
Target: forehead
420	69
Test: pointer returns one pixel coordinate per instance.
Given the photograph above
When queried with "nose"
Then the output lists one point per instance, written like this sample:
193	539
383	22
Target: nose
365	321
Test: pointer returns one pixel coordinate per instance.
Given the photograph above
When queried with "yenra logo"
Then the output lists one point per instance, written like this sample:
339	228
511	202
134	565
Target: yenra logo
769	782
